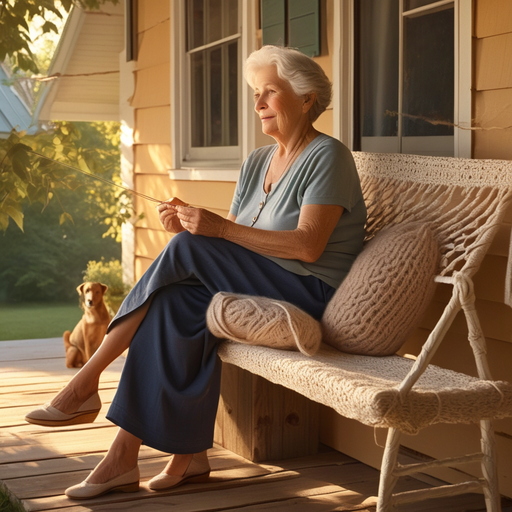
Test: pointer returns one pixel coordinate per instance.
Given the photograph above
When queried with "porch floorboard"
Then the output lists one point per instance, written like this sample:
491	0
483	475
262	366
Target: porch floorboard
37	463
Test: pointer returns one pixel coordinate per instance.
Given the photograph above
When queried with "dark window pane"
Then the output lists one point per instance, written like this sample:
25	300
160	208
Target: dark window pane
195	24
233	94
378	67
409	5
214	23
215	138
197	98
232	14
214	96
429	74
210	20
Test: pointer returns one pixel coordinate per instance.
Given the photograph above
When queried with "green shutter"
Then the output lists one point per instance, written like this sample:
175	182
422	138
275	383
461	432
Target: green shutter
273	22
304	26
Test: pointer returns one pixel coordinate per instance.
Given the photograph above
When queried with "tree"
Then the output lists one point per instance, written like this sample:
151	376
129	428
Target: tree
28	169
65	218
47	260
15	17
36	169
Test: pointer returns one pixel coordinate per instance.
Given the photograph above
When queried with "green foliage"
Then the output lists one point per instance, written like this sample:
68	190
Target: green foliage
15	18
111	274
8	502
46	261
52	216
36	169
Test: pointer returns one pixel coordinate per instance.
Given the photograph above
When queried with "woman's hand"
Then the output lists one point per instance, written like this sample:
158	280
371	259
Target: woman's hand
201	222
169	216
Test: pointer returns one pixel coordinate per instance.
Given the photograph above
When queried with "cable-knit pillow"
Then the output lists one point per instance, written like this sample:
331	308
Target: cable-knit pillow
385	293
263	321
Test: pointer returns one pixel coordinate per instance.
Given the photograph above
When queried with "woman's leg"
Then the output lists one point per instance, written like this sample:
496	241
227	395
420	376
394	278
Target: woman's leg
85	383
169	389
118	471
121	457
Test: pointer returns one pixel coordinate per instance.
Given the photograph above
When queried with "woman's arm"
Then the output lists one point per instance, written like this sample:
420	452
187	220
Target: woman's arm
305	243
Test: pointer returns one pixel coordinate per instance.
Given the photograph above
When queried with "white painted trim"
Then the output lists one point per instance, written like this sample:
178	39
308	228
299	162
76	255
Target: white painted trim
126	116
204	175
248	131
343	72
463	75
177	40
218	42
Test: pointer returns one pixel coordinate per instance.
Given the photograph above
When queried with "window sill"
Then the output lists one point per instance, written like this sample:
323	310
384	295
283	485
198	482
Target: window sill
204	174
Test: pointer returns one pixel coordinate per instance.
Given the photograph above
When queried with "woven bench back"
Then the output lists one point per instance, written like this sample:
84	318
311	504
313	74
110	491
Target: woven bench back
465	200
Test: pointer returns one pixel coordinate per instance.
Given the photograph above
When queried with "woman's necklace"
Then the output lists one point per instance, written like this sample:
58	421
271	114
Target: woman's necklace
288	163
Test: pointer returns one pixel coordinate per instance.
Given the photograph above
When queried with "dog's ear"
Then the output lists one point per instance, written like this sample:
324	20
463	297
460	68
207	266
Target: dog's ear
104	287
80	289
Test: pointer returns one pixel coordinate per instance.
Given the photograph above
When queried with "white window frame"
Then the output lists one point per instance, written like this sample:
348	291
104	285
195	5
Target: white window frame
219	163
343	70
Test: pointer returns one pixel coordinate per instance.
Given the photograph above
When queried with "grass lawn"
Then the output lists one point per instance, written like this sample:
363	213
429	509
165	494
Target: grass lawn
37	320
7	504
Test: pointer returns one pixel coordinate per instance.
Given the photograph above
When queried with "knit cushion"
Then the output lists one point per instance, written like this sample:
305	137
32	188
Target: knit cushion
263	321
385	293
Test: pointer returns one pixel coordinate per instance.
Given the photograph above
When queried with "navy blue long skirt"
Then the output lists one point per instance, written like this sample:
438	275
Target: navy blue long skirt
170	385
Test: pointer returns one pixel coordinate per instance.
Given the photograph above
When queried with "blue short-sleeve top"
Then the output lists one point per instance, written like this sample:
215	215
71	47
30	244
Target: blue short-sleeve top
324	173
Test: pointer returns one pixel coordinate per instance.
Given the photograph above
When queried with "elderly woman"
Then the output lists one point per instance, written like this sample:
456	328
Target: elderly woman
294	228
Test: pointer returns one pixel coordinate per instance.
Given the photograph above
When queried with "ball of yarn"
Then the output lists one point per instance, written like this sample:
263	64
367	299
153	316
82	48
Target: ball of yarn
263	321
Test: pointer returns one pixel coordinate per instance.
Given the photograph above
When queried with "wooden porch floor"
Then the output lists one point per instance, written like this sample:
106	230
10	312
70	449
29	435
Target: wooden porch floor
38	463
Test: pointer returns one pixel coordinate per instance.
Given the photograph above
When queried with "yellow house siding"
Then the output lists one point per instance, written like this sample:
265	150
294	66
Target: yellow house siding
493	57
493	79
152	158
493	113
152	13
146	79
493	17
154	46
152	125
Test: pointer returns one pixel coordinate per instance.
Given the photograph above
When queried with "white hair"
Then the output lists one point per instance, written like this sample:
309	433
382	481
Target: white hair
303	74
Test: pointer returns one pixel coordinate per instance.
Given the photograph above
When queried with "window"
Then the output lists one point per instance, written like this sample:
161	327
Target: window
206	84
294	23
408	92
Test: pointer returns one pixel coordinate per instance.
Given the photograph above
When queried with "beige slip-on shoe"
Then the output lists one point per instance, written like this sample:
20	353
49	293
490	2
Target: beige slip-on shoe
49	416
197	471
128	482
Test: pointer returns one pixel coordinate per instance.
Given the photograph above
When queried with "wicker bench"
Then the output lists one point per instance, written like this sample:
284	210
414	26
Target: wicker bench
466	200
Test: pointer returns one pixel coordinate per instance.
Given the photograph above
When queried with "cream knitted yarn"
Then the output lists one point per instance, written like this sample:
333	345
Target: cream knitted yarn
263	321
385	293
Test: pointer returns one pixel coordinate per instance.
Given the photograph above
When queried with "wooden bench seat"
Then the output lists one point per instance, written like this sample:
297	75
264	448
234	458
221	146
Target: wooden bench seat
366	388
465	202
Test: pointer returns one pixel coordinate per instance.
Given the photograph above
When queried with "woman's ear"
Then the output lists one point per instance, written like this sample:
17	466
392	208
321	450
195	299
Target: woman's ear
309	100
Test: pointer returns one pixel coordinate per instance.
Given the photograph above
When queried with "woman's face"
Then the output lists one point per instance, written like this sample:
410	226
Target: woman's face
281	111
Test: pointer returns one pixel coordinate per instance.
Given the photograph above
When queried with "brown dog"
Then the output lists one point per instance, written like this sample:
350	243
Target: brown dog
89	332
